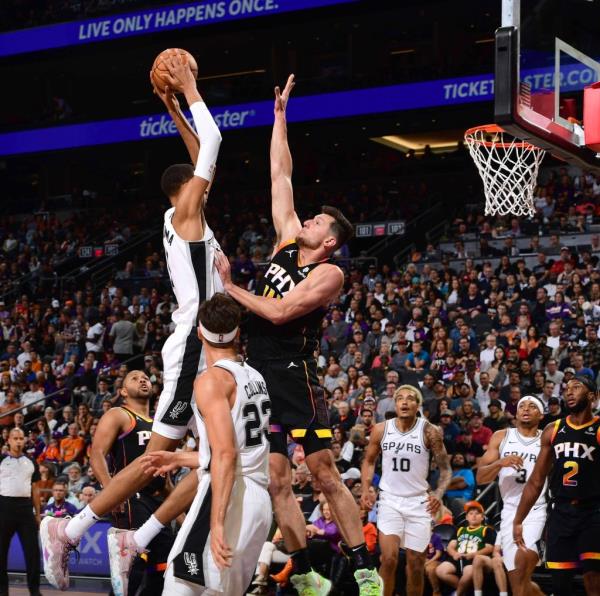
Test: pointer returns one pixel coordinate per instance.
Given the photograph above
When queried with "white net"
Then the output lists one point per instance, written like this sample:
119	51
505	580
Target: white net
509	170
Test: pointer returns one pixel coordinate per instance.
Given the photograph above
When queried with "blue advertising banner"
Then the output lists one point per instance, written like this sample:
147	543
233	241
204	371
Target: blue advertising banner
395	98
155	20
93	553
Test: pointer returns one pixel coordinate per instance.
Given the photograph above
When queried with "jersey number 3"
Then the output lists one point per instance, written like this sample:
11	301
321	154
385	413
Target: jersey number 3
254	422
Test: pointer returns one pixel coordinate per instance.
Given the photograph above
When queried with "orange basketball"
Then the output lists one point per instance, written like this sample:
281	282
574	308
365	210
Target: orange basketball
159	68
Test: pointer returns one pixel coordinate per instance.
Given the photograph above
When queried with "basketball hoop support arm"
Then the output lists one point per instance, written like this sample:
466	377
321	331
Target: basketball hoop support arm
511	13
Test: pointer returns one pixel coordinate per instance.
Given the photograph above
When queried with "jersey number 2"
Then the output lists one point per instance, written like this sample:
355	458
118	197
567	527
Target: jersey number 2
254	422
573	468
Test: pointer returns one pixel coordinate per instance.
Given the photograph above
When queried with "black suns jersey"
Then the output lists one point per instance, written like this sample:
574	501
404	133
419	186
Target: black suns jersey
130	445
576	472
267	341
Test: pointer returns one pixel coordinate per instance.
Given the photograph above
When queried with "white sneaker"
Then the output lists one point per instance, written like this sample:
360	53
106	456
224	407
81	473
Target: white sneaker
122	552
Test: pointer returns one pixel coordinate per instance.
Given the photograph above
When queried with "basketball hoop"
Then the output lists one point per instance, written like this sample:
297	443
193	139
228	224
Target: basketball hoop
508	167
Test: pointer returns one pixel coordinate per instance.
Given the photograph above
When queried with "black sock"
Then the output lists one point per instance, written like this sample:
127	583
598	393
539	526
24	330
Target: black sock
300	562
361	557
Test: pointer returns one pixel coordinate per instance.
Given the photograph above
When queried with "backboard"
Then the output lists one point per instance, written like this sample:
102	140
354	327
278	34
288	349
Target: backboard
547	52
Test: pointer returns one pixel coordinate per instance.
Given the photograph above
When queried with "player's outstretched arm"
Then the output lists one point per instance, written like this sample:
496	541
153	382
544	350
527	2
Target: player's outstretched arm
534	485
435	442
114	423
318	289
286	222
191	201
159	463
368	466
213	391
491	464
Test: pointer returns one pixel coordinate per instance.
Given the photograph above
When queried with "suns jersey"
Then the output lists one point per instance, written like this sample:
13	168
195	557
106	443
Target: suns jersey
296	337
511	482
250	414
404	460
192	270
576	471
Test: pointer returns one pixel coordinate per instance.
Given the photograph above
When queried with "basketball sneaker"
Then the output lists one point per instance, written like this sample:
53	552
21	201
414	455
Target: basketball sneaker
369	582
122	552
56	549
311	584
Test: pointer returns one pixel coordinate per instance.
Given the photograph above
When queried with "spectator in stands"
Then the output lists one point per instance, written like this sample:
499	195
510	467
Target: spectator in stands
122	333
10	403
462	486
59	507
72	447
495	420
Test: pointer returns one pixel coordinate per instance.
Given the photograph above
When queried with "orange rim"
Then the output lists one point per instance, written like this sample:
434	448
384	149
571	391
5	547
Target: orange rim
495	129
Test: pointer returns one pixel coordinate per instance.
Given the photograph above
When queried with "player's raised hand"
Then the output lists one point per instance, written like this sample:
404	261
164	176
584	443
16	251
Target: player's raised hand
512	461
180	75
221	553
167	97
159	463
281	98
224	268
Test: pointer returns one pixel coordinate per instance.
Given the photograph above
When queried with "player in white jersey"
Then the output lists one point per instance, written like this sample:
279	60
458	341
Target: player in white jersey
406	502
511	456
217	548
189	247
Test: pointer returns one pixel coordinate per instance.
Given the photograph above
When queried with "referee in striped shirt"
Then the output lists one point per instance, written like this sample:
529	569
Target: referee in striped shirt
18	499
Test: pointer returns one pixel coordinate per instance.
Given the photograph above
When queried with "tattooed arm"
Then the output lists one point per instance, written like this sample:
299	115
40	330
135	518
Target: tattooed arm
434	441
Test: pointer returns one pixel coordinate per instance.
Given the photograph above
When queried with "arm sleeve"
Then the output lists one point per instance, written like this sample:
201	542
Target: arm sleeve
210	140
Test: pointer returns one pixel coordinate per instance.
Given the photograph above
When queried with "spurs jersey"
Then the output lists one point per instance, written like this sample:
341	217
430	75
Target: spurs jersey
404	460
576	471
512	482
268	341
250	415
192	270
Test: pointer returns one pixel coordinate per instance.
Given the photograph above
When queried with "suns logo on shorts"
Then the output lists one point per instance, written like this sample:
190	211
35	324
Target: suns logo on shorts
192	564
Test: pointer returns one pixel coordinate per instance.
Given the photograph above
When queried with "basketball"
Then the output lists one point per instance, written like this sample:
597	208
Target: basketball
159	67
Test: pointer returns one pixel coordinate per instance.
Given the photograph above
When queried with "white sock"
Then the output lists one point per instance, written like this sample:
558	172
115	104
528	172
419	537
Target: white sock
79	524
144	536
477	592
503	593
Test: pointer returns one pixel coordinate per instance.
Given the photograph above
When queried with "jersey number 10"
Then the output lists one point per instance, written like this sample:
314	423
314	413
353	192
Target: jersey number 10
404	464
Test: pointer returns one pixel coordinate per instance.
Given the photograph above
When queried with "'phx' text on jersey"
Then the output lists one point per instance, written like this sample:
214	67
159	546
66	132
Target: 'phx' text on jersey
576	472
297	337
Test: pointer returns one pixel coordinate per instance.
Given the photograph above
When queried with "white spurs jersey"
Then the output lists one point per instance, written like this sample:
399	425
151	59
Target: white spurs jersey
404	460
192	270
510	481
250	414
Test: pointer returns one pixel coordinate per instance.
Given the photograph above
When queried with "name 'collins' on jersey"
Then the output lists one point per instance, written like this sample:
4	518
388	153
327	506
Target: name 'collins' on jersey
192	270
511	482
404	460
250	414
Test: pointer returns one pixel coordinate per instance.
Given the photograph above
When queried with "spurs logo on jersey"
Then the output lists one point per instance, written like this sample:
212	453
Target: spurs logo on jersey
405	460
191	268
250	414
511	482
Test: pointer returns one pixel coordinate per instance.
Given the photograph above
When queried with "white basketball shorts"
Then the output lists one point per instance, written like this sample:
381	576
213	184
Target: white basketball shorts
191	568
183	360
533	527
406	517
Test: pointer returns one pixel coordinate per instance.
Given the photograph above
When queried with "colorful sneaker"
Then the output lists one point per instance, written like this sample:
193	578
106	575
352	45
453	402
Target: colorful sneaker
122	552
311	584
369	582
56	550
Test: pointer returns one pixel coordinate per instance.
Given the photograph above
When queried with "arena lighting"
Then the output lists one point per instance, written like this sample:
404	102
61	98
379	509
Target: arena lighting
486	40
439	141
398	52
228	75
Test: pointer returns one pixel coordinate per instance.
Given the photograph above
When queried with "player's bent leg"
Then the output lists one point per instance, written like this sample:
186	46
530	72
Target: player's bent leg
389	544
500	574
179	587
415	566
520	577
591	582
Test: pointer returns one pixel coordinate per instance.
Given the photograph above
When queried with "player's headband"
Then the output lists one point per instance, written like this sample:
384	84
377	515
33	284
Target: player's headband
218	338
532	398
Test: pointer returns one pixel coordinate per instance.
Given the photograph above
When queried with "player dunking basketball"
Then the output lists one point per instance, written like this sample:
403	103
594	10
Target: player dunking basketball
570	449
406	504
190	248
286	314
511	455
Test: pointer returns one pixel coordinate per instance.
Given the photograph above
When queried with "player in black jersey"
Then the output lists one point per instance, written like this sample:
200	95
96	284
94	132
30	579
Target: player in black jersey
121	437
300	282
570	453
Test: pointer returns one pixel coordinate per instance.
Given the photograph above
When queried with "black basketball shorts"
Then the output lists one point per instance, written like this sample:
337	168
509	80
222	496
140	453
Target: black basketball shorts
298	406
